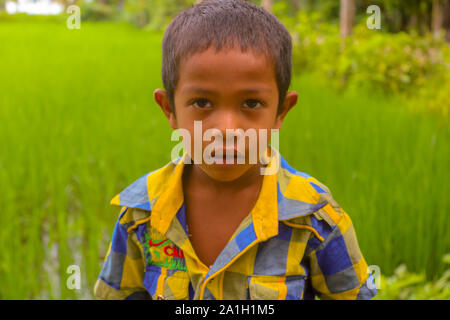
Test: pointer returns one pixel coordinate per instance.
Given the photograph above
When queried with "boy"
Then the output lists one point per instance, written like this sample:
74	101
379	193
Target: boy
197	229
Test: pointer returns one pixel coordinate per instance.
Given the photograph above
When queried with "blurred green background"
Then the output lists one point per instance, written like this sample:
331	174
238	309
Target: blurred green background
79	124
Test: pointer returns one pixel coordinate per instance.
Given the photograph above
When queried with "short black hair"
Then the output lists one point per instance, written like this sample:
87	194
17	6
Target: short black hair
225	23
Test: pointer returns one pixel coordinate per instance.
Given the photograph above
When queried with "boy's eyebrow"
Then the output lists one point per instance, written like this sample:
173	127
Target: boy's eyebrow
194	89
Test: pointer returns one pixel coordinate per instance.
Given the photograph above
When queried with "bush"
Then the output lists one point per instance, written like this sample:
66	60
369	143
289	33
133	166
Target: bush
397	63
415	67
434	93
95	11
155	14
404	285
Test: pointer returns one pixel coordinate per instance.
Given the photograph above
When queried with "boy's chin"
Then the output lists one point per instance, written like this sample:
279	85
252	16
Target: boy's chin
226	173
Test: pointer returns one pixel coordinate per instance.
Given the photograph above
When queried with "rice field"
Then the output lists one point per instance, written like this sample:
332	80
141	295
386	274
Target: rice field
79	123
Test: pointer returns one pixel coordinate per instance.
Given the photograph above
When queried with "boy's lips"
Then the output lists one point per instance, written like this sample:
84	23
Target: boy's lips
232	155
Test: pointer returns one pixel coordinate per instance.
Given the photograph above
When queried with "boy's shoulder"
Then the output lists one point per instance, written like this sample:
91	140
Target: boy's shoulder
138	199
299	189
142	193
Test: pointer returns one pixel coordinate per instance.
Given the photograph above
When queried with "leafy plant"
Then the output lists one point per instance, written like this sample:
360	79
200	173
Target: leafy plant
404	285
408	65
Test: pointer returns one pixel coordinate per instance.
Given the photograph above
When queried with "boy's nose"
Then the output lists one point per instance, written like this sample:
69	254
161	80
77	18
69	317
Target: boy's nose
228	120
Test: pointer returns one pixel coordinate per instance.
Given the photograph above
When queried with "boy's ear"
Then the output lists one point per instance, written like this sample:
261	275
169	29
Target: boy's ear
289	102
162	100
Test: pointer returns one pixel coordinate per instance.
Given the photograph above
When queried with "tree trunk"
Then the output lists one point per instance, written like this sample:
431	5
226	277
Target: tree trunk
120	5
413	23
446	22
267	4
295	5
347	17
437	18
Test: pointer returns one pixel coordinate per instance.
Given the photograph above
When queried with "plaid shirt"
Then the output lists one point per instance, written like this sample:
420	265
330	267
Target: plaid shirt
296	243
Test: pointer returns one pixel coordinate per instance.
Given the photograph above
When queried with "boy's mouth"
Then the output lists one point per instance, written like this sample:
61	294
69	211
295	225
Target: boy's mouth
228	157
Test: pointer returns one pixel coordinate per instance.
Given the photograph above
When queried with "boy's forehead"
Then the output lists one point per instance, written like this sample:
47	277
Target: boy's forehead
230	66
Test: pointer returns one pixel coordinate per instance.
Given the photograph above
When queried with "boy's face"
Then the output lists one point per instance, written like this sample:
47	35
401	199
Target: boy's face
226	90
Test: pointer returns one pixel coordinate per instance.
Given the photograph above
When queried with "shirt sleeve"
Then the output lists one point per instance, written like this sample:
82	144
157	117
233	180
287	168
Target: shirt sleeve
338	269
123	270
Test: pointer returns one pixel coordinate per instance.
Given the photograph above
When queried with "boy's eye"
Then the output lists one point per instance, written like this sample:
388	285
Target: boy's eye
201	103
253	103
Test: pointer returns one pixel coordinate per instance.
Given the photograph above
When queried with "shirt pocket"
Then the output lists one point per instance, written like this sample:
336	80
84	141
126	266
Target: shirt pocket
166	284
262	287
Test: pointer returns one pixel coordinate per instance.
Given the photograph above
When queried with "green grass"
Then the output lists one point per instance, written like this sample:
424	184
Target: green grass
79	124
387	168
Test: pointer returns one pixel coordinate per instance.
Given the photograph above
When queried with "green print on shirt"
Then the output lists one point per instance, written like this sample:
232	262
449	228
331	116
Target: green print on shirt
163	253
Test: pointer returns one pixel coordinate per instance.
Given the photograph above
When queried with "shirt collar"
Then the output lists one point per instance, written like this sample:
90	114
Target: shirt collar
284	195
